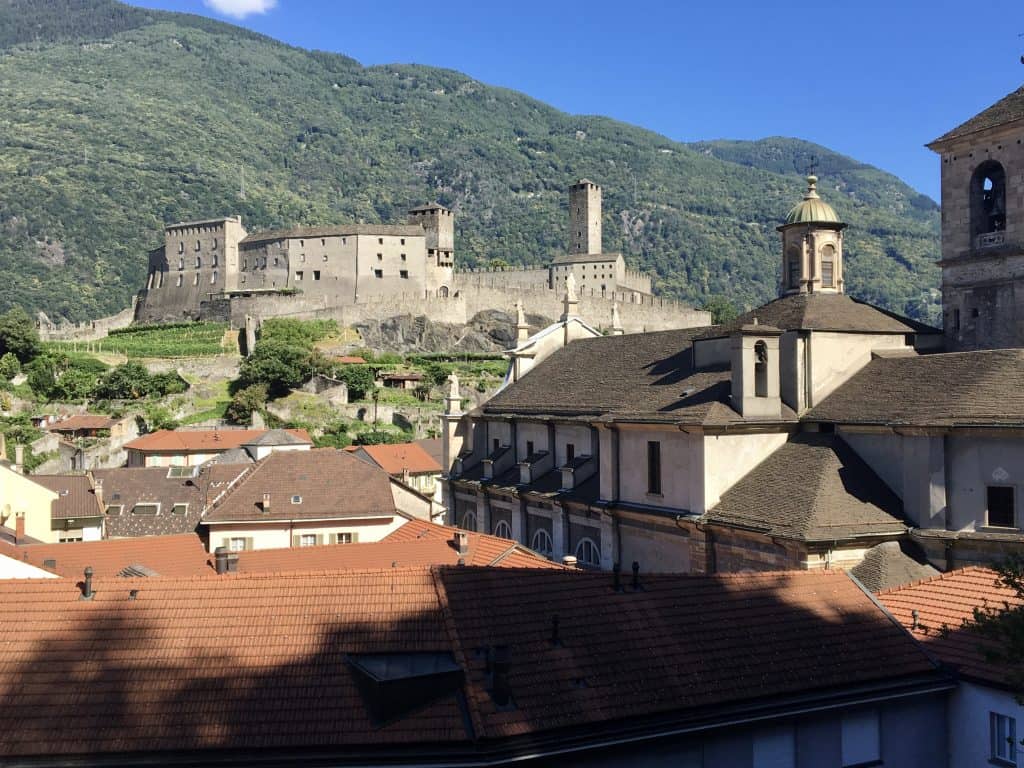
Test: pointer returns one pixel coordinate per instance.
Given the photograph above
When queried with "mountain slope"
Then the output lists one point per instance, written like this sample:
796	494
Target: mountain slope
114	120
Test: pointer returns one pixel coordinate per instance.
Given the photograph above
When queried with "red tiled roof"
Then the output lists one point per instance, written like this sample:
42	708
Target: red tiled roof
484	549
943	604
331	484
202	440
397	457
82	421
257	662
181	555
349	359
75	497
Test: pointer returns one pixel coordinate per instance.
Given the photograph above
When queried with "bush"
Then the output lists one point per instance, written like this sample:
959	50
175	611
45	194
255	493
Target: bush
131	381
9	366
358	378
277	365
244	402
18	335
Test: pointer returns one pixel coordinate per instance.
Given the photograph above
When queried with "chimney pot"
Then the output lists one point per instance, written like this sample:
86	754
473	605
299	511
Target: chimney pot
569	561
220	560
462	542
266	502
87	592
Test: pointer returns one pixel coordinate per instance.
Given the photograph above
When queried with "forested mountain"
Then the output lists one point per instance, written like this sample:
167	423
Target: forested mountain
114	120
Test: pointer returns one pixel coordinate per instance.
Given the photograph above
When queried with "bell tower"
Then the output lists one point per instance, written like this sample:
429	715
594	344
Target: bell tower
812	246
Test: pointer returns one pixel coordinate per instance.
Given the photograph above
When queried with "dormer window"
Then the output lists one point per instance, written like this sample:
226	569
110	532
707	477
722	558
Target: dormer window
296	499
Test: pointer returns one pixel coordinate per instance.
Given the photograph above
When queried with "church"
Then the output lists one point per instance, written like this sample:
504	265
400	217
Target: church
816	431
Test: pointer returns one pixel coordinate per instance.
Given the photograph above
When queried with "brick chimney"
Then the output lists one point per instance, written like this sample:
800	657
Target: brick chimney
266	502
461	542
98	491
19	528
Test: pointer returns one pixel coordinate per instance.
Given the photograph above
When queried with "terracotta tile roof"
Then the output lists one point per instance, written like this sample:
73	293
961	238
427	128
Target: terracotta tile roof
822	312
259	662
182	555
127	486
813	488
944	603
484	549
979	388
331	484
75	498
644	376
1008	109
433	446
397	457
892	564
202	440
350	359
82	421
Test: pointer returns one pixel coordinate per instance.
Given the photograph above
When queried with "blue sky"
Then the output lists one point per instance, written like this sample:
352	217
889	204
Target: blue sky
871	79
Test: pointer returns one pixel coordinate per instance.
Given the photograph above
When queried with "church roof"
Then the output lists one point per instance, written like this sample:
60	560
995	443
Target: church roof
643	376
980	388
813	488
1008	109
812	209
821	312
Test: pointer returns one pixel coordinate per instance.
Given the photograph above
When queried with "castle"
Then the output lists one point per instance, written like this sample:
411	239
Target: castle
214	269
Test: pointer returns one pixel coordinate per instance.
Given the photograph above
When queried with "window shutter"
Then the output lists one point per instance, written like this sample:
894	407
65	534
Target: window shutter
296	541
334	538
248	543
355	538
226	542
319	539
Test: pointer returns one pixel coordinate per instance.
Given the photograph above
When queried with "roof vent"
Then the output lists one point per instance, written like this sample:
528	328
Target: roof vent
569	561
266	502
461	539
87	593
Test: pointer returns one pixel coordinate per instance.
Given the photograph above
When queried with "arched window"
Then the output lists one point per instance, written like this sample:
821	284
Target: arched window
793	267
760	369
588	553
988	199
199	261
828	266
503	529
442	292
541	543
468	522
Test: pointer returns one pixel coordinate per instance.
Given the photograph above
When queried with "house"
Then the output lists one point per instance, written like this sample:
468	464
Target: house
161	501
76	513
84	425
409	380
461	666
192	447
48	508
308	498
407	462
984	711
177	555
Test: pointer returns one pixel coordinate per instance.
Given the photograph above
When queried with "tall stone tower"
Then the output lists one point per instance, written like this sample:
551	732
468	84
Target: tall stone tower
812	246
585	217
983	228
439	225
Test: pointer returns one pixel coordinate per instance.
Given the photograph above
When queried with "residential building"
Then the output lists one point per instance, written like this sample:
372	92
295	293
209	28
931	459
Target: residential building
48	508
986	718
407	462
85	425
192	447
466	666
177	555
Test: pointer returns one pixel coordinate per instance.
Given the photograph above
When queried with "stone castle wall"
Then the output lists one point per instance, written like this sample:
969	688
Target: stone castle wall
87	331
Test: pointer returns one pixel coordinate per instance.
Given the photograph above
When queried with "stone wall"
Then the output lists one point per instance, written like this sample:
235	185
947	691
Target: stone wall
87	331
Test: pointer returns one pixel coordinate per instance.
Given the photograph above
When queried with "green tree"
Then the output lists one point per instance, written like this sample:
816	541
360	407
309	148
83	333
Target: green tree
1002	627
43	373
722	310
244	402
358	378
18	335
9	366
128	381
278	365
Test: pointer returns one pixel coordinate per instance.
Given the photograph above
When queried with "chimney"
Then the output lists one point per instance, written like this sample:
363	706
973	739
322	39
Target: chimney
19	458
98	490
500	664
916	615
569	561
19	528
220	560
266	502
405	475
87	593
462	543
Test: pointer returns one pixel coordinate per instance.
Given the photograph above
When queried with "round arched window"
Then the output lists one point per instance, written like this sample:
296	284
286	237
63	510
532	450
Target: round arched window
588	553
541	543
503	529
468	522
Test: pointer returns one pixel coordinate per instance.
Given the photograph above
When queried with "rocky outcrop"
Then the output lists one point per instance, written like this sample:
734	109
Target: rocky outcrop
488	331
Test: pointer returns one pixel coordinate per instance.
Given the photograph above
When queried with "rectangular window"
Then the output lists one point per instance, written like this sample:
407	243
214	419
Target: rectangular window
179	509
214	246
860	738
325	257
323	241
179	281
826	274
302	259
404	274
344	538
307	540
403	243
1001	506
496	444
298	276
198	245
213	261
1004	738
199	262
378	273
145	509
380	241
195	279
774	748
213	277
236	544
529	447
403	257
570	452
316	275
956	319
181	247
115	509
380	257
653	466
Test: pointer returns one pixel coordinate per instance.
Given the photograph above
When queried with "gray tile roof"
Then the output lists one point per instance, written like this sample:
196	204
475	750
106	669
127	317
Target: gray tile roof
75	498
981	388
644	376
813	488
337	230
822	312
892	564
273	437
1006	110
585	258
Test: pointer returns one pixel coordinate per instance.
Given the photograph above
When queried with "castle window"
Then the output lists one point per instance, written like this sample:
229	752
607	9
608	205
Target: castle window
302	243
988	199
404	274
181	247
179	281
213	261
199	245
654	467
828	260
195	280
275	261
760	369
298	276
402	241
1000	506
323	241
199	262
214	246
181	263
316	274
403	257
380	257
378	273
213	277
380	241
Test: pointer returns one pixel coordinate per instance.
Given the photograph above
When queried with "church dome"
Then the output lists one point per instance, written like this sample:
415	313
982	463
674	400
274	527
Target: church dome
812	209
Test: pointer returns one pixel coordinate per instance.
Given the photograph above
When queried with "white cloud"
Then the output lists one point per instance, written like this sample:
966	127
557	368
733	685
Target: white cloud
239	9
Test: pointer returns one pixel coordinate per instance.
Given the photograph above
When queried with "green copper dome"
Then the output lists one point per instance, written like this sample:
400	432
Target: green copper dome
812	209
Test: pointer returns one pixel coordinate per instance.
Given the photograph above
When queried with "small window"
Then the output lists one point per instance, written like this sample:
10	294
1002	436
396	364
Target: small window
214	246
378	273
302	243
860	738
570	452
495	445
115	509
236	544
145	509
404	258
316	275
380	241
380	257
344	538
179	509
199	262
653	467
307	540
181	247
325	257
213	277
179	281
298	276
588	553
503	529
181	263
296	499
956	320
245	263
1004	738
529	447
1001	506
760	369
198	245
541	543
323	241
402	241
195	279
404	274
213	260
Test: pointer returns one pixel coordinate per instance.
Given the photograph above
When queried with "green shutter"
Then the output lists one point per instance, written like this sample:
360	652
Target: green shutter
319	539
334	538
355	538
248	544
296	541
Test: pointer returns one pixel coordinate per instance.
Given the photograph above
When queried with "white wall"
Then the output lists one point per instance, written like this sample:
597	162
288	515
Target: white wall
275	535
729	458
16	569
835	357
969	736
682	476
578	436
976	462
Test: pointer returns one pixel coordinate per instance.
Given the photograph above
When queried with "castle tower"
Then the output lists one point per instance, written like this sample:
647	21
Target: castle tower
983	228
439	225
585	217
812	246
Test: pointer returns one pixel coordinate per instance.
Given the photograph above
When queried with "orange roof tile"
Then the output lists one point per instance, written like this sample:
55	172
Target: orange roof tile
202	440
398	457
944	603
349	359
181	555
82	421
